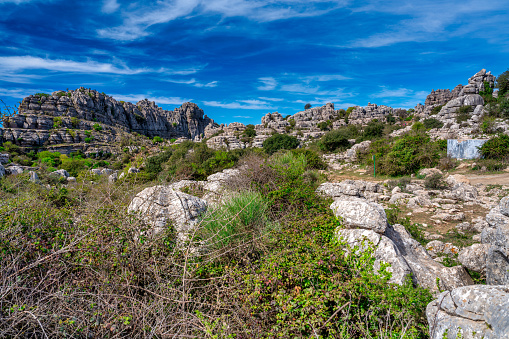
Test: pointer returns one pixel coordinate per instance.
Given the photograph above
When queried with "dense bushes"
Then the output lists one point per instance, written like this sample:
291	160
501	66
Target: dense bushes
496	148
431	123
334	140
280	141
406	154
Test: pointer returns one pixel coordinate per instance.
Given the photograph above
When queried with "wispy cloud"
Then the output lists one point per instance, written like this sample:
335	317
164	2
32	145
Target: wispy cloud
141	17
243	117
325	77
426	20
110	6
194	83
271	99
400	97
240	104
20	92
134	98
268	83
12	68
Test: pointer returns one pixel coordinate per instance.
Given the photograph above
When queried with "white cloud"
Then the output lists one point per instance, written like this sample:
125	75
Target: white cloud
11	68
243	117
21	92
110	6
142	15
134	98
271	99
325	77
240	104
427	20
269	83
194	83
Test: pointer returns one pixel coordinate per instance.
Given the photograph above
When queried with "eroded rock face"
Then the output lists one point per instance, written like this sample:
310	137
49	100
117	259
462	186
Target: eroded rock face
470	312
385	251
426	272
357	213
161	205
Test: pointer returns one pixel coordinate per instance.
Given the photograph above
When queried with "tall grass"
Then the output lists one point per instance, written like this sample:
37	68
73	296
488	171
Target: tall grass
242	218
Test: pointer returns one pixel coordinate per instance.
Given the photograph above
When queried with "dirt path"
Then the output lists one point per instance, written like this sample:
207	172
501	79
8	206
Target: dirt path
490	179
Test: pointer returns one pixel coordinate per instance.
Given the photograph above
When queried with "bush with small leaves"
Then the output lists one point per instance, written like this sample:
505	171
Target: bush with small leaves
278	142
434	182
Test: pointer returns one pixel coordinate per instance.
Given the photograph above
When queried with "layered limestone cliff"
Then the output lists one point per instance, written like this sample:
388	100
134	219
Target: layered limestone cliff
72	117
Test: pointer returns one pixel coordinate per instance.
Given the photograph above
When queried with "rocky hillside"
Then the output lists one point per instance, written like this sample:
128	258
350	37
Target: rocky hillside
86	118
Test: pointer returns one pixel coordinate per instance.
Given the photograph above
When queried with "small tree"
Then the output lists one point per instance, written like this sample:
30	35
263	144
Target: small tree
308	106
280	141
503	83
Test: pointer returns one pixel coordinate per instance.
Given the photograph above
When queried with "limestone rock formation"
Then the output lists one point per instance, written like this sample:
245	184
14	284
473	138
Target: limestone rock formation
470	312
358	213
72	117
385	251
160	206
426	272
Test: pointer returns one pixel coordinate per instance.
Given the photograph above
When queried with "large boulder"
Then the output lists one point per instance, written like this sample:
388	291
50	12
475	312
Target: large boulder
14	170
384	251
359	213
160	206
426	272
474	257
470	312
504	206
62	173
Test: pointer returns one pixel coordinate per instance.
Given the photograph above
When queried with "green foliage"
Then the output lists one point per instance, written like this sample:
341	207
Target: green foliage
373	130
436	109
75	122
158	139
50	159
239	220
88	133
307	106
488	91
496	148
464	113
11	148
313	159
503	83
278	142
71	132
249	132
434	182
97	127
88	140
42	95
431	123
406	154
334	140
139	118
174	124
57	122
173	140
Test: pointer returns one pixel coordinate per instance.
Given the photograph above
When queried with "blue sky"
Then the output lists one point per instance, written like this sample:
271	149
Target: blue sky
239	59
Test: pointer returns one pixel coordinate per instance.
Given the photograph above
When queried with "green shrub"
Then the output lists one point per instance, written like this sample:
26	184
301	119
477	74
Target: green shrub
313	159
307	106
278	142
97	127
436	109
503	83
75	122
404	155
88	140
324	125
158	139
492	165
71	132
249	132
42	95
334	140
88	133
434	182
431	123
495	148
57	122
50	159
464	113
173	140
240	220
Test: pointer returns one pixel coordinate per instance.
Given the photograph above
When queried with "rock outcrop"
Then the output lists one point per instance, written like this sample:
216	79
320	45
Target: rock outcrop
85	116
470	312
